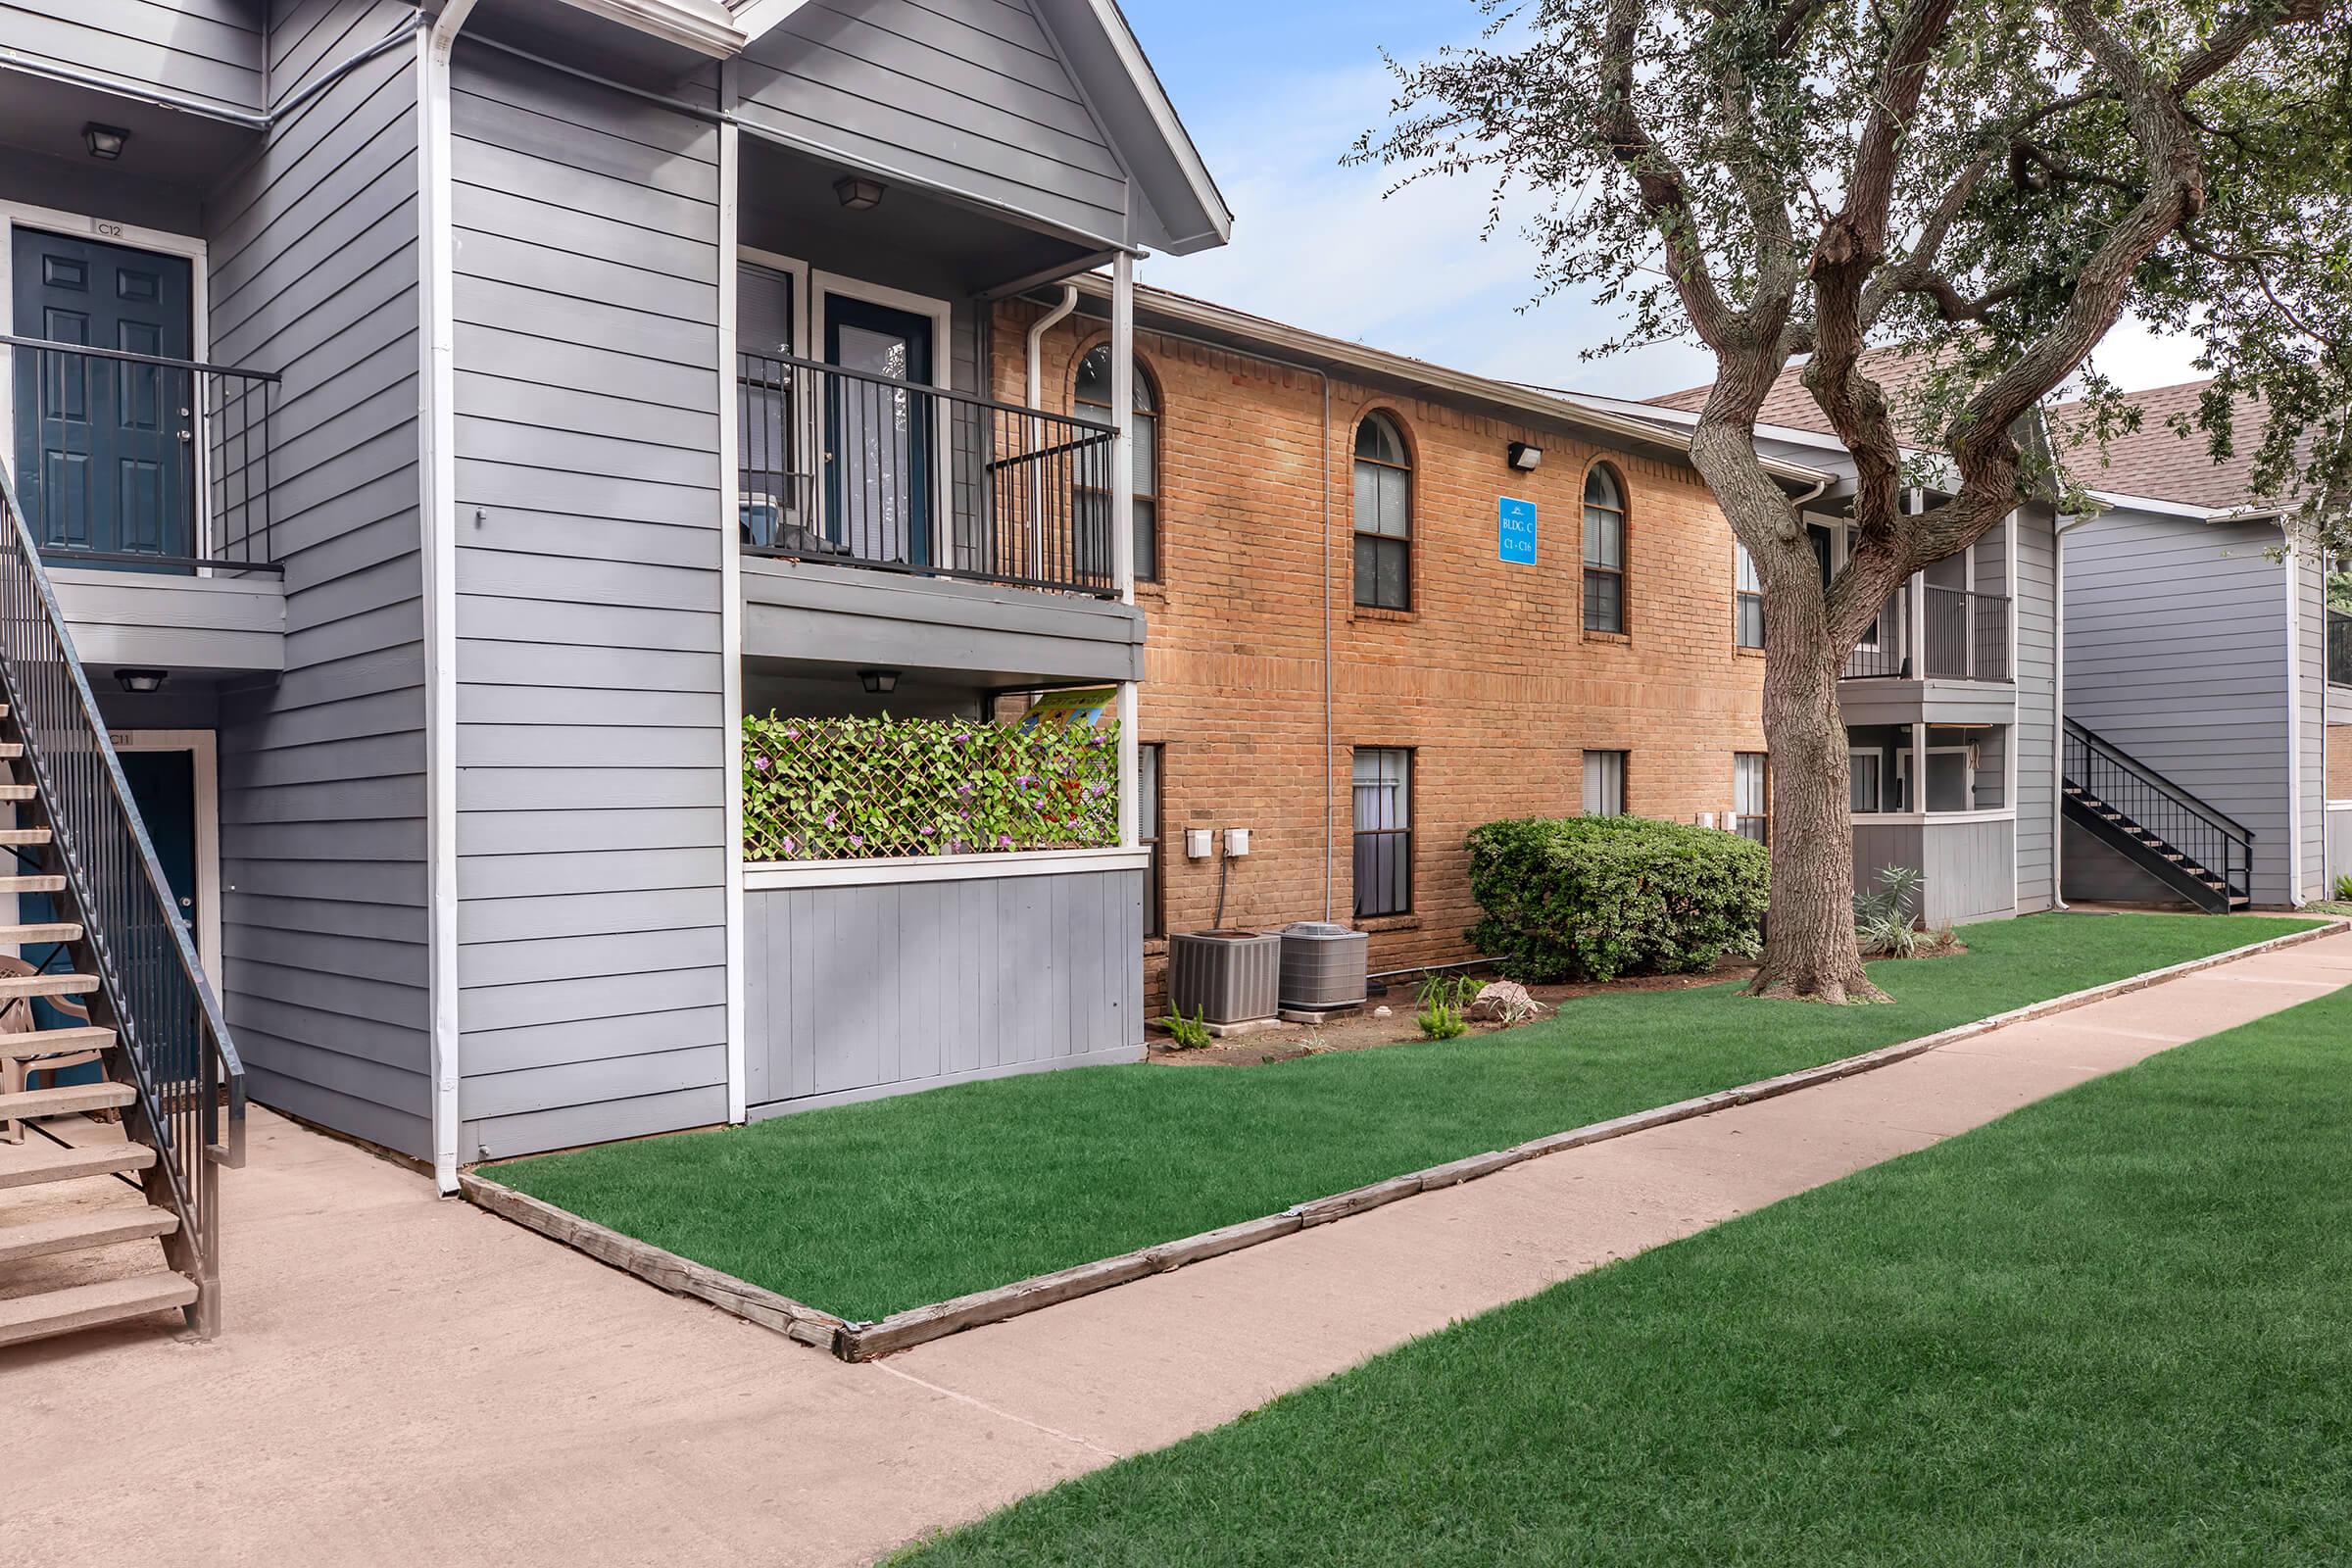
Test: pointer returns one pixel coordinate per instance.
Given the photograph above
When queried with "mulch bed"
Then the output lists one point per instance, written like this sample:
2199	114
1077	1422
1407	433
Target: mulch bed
1364	1031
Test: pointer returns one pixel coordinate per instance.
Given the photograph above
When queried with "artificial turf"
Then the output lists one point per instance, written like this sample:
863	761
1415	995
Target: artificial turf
2114	1328
867	1209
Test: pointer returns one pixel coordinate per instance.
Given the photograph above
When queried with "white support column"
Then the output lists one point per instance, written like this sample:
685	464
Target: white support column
730	609
1123	520
1919	770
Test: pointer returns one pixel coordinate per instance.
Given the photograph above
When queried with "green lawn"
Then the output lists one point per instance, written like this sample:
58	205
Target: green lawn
870	1209
2113	1328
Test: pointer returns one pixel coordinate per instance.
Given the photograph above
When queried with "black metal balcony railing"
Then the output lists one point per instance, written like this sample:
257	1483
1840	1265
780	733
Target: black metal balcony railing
2339	648
174	1044
844	466
137	460
2190	842
1961	636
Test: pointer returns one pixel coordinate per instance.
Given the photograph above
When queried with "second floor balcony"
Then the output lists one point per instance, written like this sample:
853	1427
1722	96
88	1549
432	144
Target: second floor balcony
2339	648
1929	632
867	470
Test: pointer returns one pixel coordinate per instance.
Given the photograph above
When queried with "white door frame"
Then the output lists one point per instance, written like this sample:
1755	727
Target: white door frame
204	745
130	236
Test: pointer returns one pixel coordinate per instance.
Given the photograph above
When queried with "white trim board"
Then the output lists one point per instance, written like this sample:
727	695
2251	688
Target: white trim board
730	609
770	876
203	744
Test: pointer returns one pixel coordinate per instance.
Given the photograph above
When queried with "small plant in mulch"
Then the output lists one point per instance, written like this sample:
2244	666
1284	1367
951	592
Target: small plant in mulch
1886	915
1188	1034
1444	998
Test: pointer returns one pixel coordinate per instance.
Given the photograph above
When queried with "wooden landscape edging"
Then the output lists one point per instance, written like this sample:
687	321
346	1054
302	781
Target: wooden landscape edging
900	1331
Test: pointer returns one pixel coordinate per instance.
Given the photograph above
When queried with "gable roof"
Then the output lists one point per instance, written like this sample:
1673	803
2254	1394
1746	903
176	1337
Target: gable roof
2157	461
1790	405
1171	204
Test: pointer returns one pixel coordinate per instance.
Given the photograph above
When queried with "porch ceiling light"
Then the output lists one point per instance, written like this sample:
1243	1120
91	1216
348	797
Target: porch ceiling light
858	193
105	141
879	682
1526	459
142	681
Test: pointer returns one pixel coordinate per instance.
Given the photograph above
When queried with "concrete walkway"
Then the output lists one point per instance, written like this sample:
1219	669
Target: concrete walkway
408	1380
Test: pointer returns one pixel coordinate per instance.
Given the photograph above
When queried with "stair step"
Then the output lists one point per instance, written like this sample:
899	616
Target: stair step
65	1099
24	837
71	1233
32	884
46	985
56	931
17	792
87	1306
10	750
56	1042
26	1166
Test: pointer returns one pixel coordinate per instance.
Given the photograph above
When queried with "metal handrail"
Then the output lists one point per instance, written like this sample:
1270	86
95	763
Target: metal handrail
151	989
229	408
2216	842
2339	648
853	468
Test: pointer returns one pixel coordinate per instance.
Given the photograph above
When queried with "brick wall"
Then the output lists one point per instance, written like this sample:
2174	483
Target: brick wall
2340	761
1489	678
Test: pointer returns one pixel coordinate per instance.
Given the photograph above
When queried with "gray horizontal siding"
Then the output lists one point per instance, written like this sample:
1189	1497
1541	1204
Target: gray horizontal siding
856	990
2035	603
2176	651
1966	865
207	49
966	95
591	758
322	820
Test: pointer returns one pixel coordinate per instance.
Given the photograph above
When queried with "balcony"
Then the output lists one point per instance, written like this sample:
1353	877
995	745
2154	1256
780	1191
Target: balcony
145	483
1932	633
842	467
2339	648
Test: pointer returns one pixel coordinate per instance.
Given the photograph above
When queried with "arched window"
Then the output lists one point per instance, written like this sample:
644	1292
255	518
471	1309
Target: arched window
1092	399
1605	551
1384	516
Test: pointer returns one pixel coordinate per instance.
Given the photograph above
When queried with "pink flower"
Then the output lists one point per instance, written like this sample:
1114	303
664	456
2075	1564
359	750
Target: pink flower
761	763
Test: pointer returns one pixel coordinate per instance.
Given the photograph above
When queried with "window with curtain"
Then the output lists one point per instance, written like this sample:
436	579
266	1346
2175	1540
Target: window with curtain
1384	831
1384	516
1092	401
1604	783
1605	551
1748	600
1147	827
1751	795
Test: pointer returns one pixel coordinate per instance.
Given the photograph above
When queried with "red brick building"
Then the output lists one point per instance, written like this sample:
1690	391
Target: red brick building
1361	685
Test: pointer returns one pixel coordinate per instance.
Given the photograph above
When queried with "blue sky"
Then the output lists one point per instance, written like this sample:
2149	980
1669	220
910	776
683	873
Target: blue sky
1275	90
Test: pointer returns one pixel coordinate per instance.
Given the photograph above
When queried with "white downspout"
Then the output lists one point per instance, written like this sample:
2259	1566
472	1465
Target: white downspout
731	589
1037	341
2294	720
1035	387
436	425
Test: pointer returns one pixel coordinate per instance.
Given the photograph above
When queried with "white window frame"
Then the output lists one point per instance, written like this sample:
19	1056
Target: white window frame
130	236
1877	762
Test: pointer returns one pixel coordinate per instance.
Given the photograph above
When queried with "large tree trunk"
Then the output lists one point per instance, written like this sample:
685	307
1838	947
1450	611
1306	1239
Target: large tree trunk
1809	947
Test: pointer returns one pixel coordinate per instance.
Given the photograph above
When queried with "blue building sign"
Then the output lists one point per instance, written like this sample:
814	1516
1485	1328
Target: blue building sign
1515	529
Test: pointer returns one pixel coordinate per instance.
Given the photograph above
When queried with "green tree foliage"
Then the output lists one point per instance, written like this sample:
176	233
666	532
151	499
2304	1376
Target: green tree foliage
1988	188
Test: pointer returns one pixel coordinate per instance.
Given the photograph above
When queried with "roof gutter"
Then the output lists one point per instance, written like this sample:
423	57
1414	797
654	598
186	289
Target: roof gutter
700	25
1200	316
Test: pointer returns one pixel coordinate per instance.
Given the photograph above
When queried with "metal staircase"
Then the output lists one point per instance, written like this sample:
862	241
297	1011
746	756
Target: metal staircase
2199	851
101	1221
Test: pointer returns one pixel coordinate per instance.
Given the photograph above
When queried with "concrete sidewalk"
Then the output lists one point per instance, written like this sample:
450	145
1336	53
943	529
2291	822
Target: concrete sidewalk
408	1380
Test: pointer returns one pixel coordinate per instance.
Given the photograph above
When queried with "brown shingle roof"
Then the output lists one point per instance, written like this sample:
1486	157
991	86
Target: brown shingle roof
2159	461
1790	405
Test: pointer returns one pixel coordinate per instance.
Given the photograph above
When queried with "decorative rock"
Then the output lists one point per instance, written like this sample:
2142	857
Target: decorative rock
1384	1012
1504	1002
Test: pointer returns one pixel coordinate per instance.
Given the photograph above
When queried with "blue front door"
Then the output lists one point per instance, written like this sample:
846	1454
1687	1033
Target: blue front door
878	438
105	448
162	785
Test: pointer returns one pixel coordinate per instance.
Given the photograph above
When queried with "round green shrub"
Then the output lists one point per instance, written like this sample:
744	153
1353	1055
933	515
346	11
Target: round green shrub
1592	897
